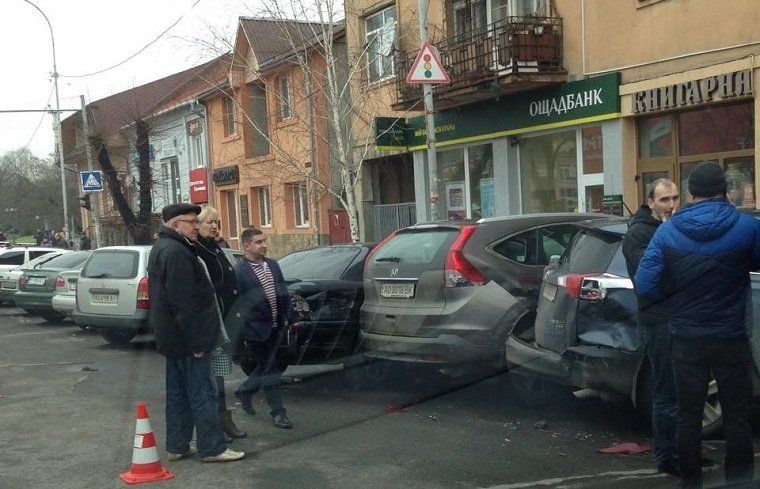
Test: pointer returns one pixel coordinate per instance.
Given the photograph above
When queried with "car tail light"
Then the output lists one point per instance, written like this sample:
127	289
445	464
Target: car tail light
59	282
22	282
459	272
592	287
143	294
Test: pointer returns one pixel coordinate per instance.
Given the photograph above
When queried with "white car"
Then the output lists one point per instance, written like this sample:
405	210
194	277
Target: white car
112	295
65	298
9	278
15	256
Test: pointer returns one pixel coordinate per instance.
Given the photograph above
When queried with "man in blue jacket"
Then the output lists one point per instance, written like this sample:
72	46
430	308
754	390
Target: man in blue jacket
268	313
703	256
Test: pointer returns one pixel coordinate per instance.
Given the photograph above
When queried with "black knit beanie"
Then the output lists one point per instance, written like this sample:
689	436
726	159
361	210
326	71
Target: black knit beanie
707	180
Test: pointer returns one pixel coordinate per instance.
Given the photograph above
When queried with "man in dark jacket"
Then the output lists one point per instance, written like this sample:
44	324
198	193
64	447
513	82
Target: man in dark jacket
186	321
662	201
267	315
707	250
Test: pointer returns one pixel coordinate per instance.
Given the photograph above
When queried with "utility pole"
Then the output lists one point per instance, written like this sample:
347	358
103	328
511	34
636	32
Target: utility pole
57	123
427	92
95	203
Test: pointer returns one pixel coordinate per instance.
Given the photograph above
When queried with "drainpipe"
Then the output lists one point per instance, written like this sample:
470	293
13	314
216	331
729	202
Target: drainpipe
313	151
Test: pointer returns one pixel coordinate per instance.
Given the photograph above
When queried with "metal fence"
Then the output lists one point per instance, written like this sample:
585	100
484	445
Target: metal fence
390	217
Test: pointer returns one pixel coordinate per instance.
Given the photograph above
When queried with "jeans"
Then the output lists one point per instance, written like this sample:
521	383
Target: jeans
191	401
265	375
729	361
664	398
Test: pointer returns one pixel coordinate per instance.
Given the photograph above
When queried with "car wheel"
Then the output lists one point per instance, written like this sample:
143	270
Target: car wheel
533	391
51	316
118	337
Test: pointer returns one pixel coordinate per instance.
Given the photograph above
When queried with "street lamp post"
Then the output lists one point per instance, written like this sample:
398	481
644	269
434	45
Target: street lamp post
57	123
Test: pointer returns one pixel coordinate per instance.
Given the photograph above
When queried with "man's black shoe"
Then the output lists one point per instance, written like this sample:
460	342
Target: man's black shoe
246	404
282	421
670	467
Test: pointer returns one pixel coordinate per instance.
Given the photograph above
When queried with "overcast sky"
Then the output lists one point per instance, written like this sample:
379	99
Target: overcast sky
91	35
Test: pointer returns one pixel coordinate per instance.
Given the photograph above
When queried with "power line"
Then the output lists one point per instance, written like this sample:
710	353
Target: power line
138	52
47	104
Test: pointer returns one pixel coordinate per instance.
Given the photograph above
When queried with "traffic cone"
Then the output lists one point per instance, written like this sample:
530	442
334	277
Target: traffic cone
146	466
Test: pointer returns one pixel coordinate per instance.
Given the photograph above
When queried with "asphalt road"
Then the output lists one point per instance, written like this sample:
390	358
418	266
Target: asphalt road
67	419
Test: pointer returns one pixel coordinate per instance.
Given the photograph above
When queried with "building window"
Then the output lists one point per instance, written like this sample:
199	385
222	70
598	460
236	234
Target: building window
469	17
257	142
286	109
380	31
197	150
300	204
465	178
263	201
229	117
230	213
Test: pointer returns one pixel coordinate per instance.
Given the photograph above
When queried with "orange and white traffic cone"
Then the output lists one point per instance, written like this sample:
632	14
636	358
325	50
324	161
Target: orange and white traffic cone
146	467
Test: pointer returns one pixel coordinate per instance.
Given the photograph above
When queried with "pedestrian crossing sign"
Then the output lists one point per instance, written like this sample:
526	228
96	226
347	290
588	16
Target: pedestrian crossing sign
427	68
92	181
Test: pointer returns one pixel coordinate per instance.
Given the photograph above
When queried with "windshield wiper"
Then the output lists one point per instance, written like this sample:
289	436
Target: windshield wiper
394	259
102	275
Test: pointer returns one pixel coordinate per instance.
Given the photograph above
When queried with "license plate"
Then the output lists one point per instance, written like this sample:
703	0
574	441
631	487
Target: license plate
402	291
36	281
550	292
9	285
104	299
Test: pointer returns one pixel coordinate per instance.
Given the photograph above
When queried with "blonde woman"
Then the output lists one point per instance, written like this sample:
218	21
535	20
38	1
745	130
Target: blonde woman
225	284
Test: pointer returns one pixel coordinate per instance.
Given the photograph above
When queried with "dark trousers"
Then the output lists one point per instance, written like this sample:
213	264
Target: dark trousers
265	374
729	361
664	397
221	394
191	402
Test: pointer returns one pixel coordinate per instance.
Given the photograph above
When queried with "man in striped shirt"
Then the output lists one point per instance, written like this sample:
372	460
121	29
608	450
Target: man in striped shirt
268	314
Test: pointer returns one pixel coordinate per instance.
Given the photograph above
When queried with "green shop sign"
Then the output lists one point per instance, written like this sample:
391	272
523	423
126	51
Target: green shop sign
578	102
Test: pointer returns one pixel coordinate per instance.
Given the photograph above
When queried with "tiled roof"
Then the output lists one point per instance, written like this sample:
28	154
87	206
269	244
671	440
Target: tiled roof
110	114
272	38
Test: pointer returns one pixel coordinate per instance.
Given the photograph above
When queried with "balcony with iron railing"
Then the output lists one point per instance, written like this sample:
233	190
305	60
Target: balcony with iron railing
511	55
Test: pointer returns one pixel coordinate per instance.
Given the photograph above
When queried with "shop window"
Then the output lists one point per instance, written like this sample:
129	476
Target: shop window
480	165
716	129
229	116
740	176
465	182
452	202
548	173
655	136
380	29
593	159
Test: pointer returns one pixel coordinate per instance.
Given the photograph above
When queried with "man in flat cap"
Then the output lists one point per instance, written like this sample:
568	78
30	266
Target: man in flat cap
187	324
703	255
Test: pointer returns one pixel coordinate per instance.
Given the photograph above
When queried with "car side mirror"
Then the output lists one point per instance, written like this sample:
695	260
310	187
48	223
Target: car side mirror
554	260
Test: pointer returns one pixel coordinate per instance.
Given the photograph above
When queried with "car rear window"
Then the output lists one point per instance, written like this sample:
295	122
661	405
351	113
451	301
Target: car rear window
66	261
416	247
318	264
112	264
592	252
12	258
41	260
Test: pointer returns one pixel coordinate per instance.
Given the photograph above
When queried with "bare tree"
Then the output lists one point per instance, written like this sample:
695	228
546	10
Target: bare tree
138	224
333	132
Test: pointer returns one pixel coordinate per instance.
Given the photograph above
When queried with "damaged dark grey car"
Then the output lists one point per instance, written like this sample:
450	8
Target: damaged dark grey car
585	334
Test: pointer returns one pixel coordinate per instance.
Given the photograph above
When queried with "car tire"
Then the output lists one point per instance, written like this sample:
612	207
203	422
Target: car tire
533	391
712	415
118	337
51	316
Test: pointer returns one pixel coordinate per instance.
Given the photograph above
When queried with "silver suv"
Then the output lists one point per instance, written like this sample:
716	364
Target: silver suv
447	294
112	292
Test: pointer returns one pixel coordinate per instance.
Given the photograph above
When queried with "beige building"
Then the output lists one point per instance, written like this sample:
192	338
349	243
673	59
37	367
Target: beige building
555	104
687	73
